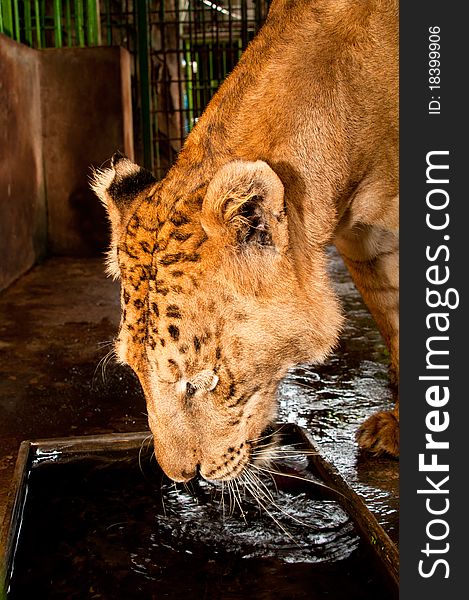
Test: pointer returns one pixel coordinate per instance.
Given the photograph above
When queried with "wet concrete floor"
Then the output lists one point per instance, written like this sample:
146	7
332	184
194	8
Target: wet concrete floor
56	324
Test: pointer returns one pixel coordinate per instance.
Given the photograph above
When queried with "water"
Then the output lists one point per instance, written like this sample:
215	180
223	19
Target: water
104	528
333	399
109	527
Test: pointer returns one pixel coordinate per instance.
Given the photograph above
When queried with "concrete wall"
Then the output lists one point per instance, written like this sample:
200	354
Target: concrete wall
87	116
61	112
22	192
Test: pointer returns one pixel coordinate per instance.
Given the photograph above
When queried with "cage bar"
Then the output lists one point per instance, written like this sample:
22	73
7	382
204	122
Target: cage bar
181	52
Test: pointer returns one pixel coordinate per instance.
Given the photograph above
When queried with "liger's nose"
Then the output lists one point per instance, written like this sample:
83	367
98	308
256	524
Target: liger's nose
186	476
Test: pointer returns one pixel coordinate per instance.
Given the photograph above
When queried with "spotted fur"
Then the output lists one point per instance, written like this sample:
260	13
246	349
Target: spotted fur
222	264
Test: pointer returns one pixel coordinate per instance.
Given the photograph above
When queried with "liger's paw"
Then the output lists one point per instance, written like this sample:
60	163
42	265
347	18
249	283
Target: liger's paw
379	434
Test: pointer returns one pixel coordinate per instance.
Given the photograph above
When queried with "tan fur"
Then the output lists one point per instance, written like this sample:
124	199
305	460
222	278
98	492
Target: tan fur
223	266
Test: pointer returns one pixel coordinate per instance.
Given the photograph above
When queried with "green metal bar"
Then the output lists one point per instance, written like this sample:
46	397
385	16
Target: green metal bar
144	77
28	28
190	91
155	124
209	48
68	23
92	23
58	23
193	101
79	23
108	22
179	57
16	22
205	66
42	27
230	28
7	18
164	25
37	23
199	84
157	166
244	24
225	62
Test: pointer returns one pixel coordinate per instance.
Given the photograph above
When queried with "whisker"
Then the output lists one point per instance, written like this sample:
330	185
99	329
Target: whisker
231	507
263	506
162	494
264	471
261	486
147	440
189	490
299	477
255	479
266	454
103	362
264	437
101	166
284	448
238	500
105	343
281	450
111	355
301	384
267	458
222	500
272	444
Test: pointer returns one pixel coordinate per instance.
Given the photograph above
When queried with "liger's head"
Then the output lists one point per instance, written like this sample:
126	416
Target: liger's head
213	309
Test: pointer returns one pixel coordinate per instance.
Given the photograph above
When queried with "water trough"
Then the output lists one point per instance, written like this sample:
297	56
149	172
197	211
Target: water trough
93	516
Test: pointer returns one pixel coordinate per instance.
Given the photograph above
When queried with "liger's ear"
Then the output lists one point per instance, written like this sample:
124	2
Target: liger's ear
118	188
120	185
244	205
